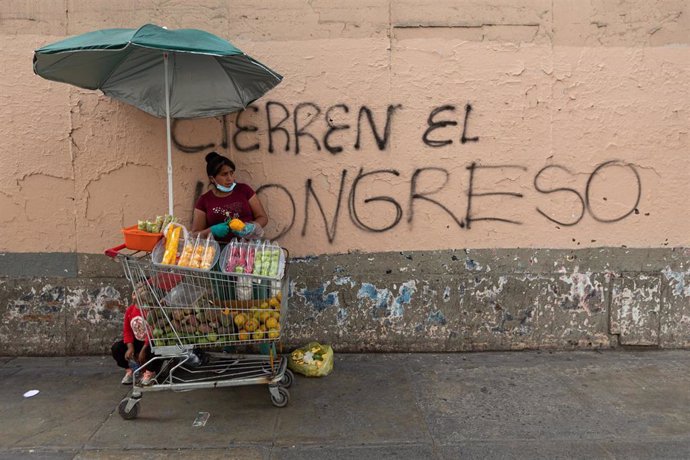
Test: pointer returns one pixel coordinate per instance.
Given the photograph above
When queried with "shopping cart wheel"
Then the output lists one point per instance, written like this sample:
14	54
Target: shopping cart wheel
279	396
288	378
133	411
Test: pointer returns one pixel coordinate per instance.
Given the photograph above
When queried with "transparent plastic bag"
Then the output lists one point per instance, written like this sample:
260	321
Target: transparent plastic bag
312	360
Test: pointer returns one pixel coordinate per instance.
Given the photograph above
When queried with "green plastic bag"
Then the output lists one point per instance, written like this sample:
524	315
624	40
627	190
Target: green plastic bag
312	360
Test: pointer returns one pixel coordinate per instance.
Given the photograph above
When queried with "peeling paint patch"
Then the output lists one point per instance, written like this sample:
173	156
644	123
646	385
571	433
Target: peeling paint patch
318	298
341	317
437	317
380	297
405	297
384	303
340	281
678	281
582	291
492	292
471	264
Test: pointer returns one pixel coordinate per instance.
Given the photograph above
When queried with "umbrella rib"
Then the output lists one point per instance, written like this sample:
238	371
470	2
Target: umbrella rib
112	71
232	80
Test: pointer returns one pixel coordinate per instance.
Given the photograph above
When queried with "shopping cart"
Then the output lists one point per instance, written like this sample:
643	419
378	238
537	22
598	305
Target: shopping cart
198	324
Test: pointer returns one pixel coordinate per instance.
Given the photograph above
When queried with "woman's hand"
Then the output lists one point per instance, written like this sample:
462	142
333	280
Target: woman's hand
220	230
248	229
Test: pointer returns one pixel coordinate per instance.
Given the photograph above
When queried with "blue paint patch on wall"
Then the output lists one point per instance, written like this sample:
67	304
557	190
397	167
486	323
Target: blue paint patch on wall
319	299
380	297
405	297
437	317
384	303
678	279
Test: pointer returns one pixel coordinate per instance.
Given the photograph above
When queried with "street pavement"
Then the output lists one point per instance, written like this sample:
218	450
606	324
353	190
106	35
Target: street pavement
525	405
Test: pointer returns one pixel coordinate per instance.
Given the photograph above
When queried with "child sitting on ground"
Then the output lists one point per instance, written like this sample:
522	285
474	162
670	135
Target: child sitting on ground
134	346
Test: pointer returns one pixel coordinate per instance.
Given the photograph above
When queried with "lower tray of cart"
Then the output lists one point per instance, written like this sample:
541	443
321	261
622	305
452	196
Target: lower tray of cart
222	368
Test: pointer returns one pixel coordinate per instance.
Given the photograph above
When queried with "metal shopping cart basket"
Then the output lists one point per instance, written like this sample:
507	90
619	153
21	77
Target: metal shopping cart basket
199	322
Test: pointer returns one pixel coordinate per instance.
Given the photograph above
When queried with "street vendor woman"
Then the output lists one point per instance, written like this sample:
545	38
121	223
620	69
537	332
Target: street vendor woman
226	200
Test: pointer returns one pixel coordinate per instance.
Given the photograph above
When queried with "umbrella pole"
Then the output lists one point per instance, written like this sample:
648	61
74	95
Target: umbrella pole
168	135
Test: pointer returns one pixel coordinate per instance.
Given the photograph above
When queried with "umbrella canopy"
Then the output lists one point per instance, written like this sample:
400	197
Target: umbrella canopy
184	73
207	75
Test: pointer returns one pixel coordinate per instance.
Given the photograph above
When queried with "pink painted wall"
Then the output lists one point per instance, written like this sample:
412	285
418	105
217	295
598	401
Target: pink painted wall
557	90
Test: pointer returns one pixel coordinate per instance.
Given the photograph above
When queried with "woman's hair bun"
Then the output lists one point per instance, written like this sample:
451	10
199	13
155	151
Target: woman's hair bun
212	156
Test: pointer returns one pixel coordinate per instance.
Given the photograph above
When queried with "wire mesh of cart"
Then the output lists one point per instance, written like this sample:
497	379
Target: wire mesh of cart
199	322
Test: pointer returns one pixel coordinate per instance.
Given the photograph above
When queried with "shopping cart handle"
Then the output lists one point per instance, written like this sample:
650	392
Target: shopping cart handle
113	252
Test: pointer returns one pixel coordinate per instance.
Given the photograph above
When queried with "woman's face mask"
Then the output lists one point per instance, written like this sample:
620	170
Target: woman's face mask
224	189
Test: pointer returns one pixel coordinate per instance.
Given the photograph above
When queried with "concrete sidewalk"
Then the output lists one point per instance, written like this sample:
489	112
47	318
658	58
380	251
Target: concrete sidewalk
615	404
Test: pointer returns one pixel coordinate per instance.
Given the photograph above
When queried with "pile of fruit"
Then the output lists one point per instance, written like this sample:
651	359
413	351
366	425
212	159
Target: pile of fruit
259	324
157	225
256	257
206	324
197	253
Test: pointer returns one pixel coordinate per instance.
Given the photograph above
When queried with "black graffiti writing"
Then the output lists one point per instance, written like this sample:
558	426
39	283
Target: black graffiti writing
330	212
434	124
301	130
331	228
598	169
558	190
381	140
469	218
463	138
200	147
306	121
414	195
352	201
586	202
241	129
277	127
332	128
291	220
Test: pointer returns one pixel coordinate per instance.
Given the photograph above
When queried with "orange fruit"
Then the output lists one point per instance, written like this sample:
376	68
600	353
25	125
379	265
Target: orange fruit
272	323
240	319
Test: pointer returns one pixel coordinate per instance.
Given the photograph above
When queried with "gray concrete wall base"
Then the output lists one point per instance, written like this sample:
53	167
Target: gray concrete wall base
457	300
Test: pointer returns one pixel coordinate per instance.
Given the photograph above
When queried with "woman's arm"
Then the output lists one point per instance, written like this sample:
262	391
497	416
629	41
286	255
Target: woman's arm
199	223
260	216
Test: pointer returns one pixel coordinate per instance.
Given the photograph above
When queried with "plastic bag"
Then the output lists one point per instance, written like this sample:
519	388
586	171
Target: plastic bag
312	360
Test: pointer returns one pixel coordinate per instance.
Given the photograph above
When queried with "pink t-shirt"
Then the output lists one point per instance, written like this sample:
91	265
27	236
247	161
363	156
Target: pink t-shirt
219	210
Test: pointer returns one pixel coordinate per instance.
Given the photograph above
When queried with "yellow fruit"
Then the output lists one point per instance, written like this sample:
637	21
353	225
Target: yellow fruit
252	325
236	225
264	316
279	296
274	303
258	335
273	334
240	319
272	323
275	315
244	335
263	328
264	305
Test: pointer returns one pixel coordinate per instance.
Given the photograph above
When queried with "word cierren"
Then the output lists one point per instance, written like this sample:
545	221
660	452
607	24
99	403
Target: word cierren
292	128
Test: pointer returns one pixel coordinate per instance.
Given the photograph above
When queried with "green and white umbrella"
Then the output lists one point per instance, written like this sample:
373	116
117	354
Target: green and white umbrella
184	73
